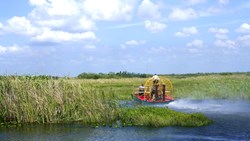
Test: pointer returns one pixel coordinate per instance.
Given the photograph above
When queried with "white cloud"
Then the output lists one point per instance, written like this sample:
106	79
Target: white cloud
56	7
49	8
187	32
220	33
54	20
46	10
183	14
154	27
244	28
149	10
225	43
195	46
11	49
109	9
222	39
132	43
54	23
196	43
2	49
244	40
37	2
135	43
69	24
20	25
61	36
59	14
40	17
43	31
86	24
63	7
218	30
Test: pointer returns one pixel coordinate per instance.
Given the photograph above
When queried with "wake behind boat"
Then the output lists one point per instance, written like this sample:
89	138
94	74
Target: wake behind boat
155	90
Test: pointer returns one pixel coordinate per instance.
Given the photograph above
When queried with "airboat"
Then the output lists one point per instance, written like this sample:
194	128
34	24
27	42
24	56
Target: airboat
158	90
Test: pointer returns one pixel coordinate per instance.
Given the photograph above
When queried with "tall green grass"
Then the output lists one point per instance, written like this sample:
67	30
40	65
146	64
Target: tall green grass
90	102
48	101
234	86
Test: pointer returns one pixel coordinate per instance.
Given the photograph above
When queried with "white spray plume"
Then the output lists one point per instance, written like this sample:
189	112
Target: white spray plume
212	106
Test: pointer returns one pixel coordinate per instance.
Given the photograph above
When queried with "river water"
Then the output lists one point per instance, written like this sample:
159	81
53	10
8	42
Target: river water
231	122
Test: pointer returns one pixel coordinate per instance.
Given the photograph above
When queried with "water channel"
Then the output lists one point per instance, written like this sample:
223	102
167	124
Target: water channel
231	122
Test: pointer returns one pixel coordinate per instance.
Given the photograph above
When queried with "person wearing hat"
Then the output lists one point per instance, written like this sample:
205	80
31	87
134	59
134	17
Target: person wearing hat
155	81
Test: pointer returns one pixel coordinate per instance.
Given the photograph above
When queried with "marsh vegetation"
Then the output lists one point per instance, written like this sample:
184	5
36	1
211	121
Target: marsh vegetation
95	102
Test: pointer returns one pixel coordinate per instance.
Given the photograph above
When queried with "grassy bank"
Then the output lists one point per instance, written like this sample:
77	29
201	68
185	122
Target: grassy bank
158	117
92	102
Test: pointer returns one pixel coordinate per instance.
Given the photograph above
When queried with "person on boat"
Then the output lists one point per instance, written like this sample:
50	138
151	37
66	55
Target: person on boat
155	78
141	89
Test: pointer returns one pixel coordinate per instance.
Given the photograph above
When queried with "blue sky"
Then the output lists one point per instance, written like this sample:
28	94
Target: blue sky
68	37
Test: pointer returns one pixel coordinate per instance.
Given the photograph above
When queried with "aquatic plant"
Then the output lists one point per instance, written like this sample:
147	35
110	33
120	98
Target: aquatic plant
94	102
90	102
46	101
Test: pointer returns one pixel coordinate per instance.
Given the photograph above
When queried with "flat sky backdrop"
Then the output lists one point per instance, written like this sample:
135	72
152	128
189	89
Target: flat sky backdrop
68	37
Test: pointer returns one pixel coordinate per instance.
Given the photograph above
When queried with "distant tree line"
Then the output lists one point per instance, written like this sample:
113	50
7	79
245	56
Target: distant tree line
206	74
121	74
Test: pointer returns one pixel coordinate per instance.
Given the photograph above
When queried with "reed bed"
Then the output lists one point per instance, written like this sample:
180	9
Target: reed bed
234	86
53	101
90	102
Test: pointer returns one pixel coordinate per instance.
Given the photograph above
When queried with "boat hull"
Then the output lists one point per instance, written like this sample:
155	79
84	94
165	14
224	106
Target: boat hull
144	100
